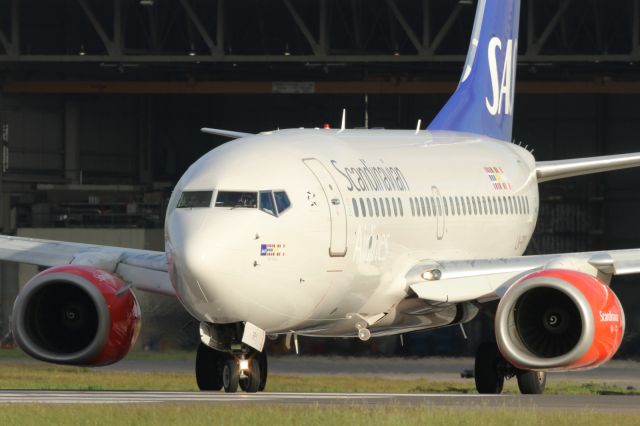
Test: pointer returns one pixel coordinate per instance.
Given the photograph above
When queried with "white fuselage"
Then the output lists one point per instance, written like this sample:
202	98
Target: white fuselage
324	259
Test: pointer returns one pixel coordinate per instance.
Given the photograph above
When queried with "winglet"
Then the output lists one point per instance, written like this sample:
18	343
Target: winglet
343	125
226	133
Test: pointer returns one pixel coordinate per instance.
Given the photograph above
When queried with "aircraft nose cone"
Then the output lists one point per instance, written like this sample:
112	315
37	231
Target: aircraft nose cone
201	267
199	255
189	252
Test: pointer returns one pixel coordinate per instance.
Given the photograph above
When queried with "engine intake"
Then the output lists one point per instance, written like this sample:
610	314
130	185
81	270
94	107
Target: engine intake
76	315
559	320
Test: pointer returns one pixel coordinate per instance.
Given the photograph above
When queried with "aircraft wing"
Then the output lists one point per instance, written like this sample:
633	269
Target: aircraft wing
488	279
226	133
145	270
560	169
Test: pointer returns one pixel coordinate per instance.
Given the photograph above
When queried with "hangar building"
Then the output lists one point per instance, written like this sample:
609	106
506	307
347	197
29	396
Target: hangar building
101	102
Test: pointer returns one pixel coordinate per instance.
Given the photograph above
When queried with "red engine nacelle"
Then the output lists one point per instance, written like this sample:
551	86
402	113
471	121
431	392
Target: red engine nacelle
559	320
76	315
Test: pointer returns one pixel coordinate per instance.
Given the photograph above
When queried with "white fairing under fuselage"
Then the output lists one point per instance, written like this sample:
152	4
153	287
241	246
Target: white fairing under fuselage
365	206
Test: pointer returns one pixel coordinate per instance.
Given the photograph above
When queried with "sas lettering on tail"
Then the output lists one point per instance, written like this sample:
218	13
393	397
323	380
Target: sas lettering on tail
502	88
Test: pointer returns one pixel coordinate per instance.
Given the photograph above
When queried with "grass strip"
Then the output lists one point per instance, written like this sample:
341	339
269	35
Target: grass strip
384	414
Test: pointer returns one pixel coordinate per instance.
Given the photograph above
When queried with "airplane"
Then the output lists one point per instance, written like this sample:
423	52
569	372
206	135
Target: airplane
350	233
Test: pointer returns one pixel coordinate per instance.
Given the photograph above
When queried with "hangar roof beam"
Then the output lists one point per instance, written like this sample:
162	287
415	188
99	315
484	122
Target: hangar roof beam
405	26
8	46
317	48
446	27
112	48
535	46
338	32
12	47
215	50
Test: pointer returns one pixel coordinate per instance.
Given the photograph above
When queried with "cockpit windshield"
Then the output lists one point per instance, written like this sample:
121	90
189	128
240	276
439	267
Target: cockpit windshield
195	199
270	202
242	199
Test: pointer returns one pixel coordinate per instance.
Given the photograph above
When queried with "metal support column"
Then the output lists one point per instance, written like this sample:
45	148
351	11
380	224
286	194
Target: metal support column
71	145
635	32
145	137
9	287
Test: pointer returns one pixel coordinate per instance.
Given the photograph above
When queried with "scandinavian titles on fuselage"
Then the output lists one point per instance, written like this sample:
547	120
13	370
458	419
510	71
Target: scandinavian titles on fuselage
372	178
371	245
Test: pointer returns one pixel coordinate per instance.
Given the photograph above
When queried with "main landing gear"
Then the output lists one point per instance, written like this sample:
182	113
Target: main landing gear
491	369
216	370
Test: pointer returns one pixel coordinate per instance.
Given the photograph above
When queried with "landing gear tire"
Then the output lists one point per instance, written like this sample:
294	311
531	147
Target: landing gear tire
230	375
209	364
488	374
251	383
532	382
262	361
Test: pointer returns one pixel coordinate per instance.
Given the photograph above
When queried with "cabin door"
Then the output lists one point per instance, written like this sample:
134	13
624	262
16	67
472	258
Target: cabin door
440	214
337	210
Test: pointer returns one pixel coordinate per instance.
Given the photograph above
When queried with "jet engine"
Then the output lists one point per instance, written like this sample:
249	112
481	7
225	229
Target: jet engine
559	320
76	315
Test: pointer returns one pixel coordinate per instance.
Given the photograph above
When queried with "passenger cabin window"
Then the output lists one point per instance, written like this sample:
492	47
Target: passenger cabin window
363	208
195	199
237	199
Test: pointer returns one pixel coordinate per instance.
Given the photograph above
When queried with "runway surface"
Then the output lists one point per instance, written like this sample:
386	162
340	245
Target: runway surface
545	402
619	373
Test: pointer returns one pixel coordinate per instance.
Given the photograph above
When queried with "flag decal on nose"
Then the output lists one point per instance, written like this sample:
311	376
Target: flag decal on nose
271	250
497	177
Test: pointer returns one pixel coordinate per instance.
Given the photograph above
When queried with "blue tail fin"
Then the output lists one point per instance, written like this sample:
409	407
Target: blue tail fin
483	101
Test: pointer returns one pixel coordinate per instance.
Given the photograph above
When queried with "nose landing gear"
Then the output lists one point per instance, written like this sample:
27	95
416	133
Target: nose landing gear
217	370
250	377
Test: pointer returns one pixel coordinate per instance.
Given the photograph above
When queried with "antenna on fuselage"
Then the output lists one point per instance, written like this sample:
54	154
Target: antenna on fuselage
418	126
343	125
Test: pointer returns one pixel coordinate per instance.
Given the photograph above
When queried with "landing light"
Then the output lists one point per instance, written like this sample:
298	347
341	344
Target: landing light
431	275
244	364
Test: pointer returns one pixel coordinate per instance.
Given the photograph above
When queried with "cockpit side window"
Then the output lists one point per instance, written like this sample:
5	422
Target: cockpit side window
266	203
237	199
282	201
195	199
274	202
